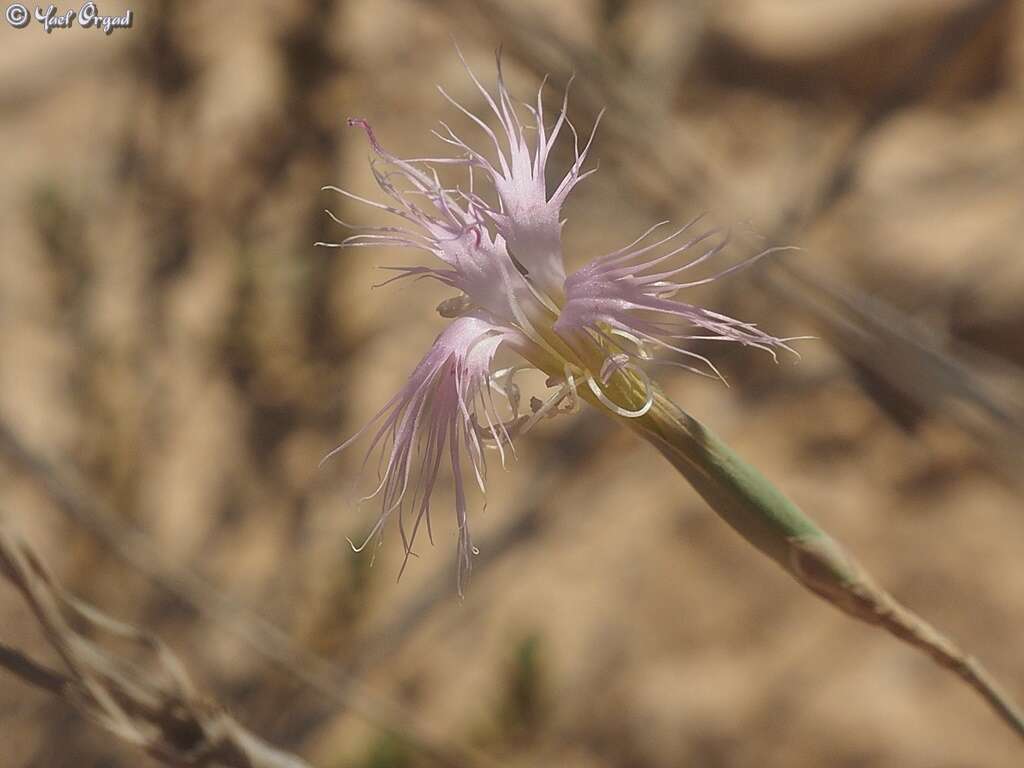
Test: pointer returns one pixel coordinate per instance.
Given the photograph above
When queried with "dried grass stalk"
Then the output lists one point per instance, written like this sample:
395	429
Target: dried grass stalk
155	708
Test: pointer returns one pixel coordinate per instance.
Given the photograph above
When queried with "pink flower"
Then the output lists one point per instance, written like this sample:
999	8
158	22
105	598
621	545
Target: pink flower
505	259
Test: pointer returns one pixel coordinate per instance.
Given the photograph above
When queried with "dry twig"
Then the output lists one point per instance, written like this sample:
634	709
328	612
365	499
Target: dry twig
159	712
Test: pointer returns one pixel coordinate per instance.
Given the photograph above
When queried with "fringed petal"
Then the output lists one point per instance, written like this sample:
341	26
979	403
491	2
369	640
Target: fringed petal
437	415
449	227
529	217
628	294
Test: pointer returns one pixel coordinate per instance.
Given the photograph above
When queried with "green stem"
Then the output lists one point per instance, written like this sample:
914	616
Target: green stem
760	513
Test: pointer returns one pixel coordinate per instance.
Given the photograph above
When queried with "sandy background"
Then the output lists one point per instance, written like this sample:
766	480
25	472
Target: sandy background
180	356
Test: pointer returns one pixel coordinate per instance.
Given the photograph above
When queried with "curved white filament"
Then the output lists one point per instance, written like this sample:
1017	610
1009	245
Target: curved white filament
617	409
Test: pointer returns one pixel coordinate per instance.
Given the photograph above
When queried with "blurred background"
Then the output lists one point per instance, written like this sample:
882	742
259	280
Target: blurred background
177	357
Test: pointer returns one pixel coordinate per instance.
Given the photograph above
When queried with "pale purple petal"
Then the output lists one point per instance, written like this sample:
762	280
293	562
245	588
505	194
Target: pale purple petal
436	416
529	216
453	228
629	295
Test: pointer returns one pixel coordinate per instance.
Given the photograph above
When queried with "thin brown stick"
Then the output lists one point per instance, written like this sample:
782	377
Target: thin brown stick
158	712
33	673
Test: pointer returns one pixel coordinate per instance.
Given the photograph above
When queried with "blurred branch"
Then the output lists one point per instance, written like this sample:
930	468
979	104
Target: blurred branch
955	34
20	665
161	713
328	679
909	360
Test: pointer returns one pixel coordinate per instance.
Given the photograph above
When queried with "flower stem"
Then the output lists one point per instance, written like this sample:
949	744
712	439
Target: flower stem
760	513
